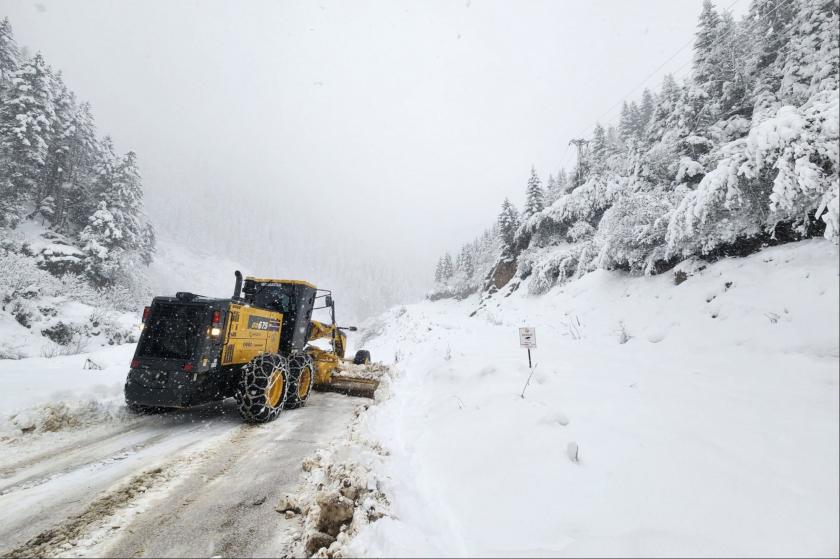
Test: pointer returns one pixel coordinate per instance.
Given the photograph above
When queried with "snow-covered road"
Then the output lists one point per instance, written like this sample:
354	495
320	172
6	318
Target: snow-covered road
190	483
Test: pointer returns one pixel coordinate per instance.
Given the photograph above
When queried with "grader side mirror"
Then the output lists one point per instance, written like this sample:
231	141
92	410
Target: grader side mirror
329	301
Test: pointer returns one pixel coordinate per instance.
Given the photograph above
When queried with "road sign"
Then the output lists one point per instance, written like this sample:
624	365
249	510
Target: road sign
528	337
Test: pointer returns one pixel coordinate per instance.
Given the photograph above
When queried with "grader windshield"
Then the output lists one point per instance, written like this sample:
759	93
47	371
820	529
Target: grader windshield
276	297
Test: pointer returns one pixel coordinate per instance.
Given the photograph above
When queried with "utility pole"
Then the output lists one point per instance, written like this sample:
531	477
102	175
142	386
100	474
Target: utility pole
580	144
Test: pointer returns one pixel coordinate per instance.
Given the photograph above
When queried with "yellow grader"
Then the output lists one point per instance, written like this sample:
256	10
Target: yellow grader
261	347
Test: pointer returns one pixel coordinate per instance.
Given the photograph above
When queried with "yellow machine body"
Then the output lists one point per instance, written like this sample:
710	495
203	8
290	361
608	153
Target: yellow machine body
250	332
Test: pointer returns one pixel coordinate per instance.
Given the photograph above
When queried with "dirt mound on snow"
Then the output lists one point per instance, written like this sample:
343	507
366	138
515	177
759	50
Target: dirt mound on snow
341	495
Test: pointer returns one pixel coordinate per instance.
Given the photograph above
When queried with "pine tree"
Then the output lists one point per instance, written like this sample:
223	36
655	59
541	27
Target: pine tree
556	187
508	223
101	240
563	183
705	65
630	127
646	109
598	147
732	55
448	269
46	209
468	265
464	263
439	270
550	186
534	196
9	53
664	113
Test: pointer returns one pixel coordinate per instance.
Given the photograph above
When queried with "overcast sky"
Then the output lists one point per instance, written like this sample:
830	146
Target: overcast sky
400	126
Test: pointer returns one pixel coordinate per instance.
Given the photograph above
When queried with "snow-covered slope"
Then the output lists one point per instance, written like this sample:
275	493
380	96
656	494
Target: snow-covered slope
177	268
704	416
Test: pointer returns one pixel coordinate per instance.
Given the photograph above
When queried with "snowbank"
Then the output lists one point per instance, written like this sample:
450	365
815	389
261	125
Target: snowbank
692	413
51	394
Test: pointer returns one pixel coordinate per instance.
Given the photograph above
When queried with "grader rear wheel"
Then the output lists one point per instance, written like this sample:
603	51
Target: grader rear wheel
263	388
302	370
362	357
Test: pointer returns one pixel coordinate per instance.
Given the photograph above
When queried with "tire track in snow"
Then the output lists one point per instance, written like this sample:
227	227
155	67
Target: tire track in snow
92	465
89	526
60	487
61	538
73	447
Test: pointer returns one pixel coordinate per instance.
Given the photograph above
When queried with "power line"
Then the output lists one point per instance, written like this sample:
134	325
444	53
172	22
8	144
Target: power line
778	5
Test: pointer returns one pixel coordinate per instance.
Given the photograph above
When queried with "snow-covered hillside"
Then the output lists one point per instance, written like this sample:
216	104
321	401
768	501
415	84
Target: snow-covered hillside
44	312
691	413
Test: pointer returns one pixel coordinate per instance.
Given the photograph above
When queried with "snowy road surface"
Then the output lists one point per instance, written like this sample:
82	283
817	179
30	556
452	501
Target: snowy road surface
190	483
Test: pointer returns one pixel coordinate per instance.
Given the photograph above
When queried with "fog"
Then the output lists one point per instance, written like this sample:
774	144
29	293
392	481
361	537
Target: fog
349	142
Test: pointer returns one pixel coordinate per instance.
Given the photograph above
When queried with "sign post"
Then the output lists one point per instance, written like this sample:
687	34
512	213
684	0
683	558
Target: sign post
528	339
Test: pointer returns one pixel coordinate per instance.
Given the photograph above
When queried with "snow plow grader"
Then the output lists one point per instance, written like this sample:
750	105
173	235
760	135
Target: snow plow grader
260	347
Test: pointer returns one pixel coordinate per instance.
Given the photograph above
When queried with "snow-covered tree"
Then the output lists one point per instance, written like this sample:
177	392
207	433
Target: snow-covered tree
9	53
646	108
447	268
563	183
508	222
534	196
706	65
559	187
630	125
464	263
102	239
598	148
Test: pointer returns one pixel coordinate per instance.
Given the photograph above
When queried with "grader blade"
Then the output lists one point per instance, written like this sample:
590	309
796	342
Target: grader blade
354	380
350	387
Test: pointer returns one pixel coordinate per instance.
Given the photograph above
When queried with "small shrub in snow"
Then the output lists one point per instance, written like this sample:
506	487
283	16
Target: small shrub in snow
60	333
679	277
23	313
9	351
623	335
573	452
77	344
574	327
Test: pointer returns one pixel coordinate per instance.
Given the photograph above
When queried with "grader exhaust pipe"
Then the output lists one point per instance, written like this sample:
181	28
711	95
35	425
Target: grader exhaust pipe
237	287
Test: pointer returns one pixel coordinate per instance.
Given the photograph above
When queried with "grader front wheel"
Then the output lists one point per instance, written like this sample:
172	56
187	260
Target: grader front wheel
263	388
302	375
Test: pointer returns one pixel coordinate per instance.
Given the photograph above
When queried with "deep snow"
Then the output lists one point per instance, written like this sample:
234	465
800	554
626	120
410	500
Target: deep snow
712	430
